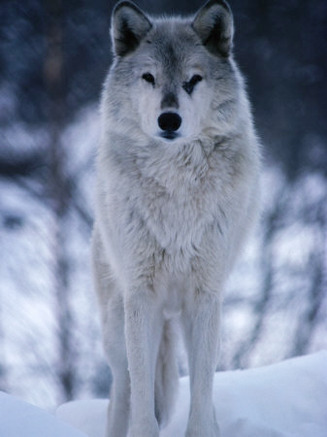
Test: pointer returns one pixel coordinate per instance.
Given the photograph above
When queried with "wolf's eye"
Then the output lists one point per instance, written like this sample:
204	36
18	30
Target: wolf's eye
148	78
189	86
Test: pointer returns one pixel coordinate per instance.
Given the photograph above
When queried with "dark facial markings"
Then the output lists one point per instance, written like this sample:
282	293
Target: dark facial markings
189	86
148	77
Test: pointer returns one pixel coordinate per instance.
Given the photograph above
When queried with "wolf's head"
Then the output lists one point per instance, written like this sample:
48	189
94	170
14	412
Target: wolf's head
172	78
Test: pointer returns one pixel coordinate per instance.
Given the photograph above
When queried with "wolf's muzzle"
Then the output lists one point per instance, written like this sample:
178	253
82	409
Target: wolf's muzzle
169	123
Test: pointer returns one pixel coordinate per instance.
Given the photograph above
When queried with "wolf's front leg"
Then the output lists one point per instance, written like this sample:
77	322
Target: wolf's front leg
110	301
142	331
201	323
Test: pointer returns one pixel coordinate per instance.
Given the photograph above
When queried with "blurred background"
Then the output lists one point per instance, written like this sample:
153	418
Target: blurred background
54	55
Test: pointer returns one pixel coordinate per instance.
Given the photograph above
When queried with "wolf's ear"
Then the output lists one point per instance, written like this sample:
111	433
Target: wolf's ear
214	25
128	26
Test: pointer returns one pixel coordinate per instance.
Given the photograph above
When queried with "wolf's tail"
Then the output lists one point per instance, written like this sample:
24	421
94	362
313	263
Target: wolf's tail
166	381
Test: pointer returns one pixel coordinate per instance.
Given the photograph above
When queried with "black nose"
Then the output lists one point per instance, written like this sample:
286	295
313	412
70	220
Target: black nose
169	121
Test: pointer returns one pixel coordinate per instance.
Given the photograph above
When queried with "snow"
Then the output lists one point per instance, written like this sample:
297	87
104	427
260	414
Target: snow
288	399
19	419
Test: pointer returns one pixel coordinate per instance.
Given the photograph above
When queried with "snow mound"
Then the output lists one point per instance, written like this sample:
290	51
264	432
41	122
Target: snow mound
19	419
287	399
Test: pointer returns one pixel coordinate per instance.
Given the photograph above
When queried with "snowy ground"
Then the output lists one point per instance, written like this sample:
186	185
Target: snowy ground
19	419
288	399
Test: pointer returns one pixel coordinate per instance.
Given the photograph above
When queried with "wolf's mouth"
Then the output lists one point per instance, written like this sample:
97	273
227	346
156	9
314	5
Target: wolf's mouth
169	135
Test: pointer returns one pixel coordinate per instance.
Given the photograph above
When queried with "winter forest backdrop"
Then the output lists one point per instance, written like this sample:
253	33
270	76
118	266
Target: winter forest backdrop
53	58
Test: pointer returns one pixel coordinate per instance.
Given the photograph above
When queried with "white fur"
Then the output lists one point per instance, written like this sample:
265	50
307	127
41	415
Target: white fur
171	216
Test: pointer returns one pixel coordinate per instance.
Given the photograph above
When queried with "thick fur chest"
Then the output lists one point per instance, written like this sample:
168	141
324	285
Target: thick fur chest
177	218
185	201
177	196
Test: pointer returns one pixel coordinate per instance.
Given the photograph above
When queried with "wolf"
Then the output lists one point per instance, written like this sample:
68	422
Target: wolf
177	191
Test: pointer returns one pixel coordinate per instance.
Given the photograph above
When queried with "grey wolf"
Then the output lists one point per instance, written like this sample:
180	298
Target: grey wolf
177	192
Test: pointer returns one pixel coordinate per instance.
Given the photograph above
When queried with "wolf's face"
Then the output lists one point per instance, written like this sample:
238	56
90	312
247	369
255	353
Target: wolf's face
173	76
171	91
